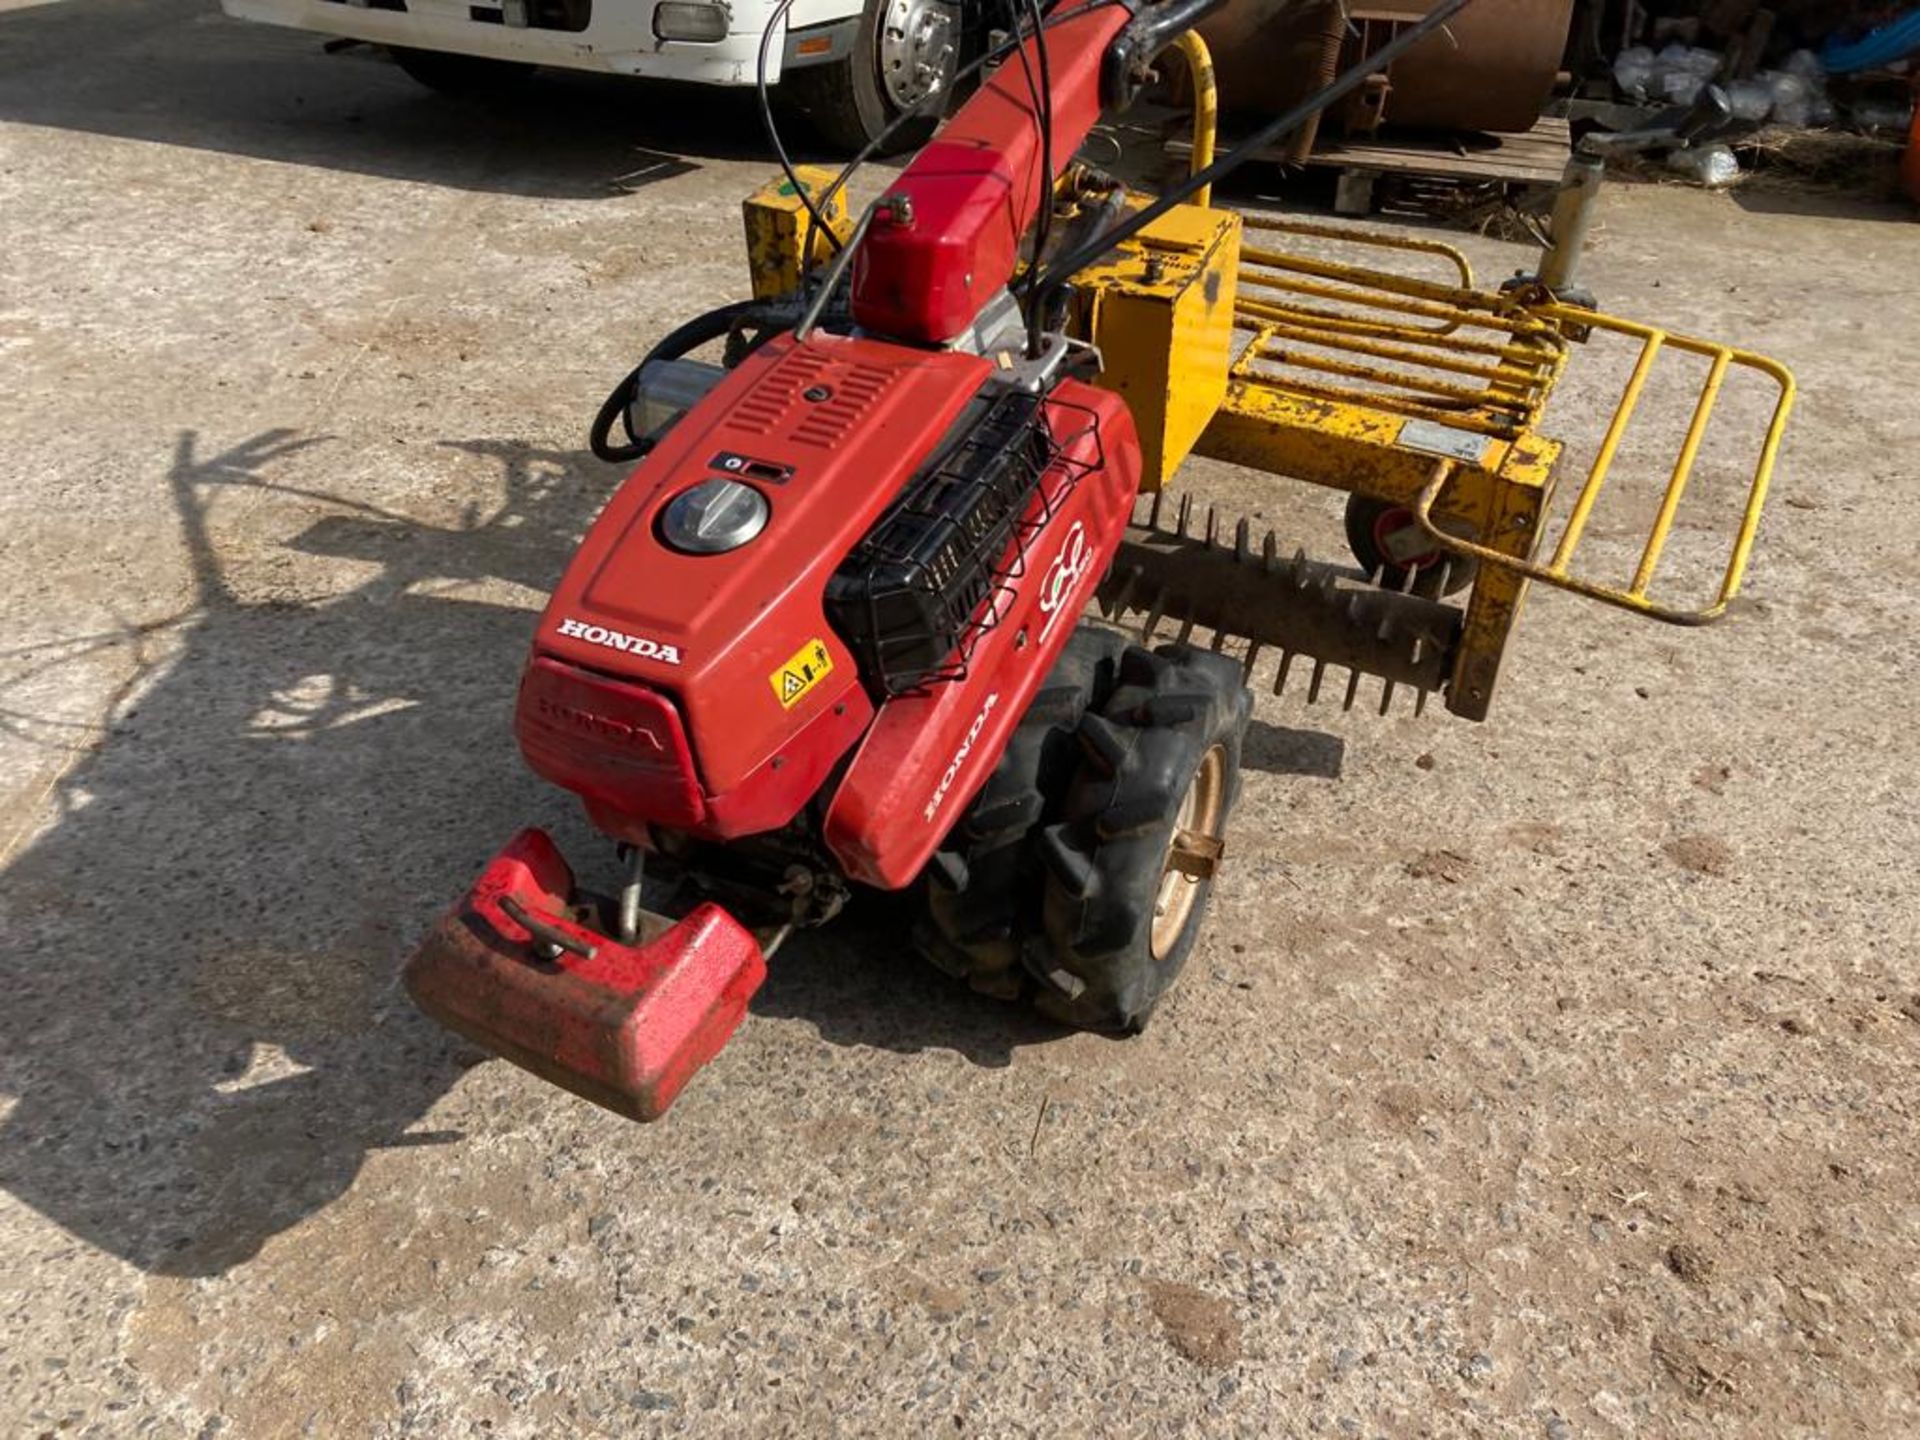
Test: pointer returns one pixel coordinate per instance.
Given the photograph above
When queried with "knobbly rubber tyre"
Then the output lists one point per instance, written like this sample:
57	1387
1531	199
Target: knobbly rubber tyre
982	890
1174	723
463	77
1367	519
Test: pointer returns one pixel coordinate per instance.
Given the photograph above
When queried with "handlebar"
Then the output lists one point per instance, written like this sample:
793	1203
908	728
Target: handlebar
1124	70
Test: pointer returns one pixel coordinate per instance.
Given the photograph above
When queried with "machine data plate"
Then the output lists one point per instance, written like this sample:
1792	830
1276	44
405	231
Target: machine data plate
1436	439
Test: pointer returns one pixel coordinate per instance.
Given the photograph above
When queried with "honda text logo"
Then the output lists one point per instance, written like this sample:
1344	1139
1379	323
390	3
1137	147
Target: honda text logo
960	756
633	644
600	727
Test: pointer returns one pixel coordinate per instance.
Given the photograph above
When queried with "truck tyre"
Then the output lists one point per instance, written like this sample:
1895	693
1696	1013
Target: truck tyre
463	77
982	889
902	49
1130	860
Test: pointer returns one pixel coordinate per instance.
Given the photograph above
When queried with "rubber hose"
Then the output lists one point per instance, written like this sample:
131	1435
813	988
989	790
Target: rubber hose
696	332
1891	42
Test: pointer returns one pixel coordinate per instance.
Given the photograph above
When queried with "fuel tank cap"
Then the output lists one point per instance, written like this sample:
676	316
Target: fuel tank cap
713	517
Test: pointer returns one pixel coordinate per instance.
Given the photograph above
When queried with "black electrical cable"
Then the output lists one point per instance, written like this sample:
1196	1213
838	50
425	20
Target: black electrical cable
1066	266
913	112
1043	116
814	217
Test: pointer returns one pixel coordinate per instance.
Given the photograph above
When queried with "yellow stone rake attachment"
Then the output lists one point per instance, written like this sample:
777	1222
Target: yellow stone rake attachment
1422	397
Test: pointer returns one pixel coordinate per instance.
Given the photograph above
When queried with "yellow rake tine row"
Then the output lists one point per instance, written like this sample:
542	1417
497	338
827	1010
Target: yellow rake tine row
1495	426
1426	359
1359	275
1525	349
1348	235
1609	446
1682	472
1425	309
1399	380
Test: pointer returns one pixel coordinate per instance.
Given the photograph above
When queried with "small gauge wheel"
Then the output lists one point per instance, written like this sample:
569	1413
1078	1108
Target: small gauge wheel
1387	540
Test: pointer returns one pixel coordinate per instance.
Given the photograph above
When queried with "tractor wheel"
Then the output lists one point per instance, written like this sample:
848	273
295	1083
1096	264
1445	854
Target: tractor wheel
1131	859
982	889
1376	530
462	77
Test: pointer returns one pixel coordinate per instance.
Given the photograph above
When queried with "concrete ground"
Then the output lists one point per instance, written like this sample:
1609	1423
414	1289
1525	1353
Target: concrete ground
1553	1077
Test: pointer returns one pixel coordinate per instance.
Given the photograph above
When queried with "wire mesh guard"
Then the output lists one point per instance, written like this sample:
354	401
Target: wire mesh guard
935	574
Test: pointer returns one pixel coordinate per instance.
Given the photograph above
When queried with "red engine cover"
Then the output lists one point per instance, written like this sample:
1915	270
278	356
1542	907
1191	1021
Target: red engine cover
931	262
707	691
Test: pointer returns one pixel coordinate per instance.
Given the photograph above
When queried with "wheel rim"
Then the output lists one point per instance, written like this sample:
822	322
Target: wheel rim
1192	851
1388	524
916	49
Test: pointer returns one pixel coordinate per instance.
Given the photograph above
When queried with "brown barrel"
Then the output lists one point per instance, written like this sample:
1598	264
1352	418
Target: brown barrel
1491	68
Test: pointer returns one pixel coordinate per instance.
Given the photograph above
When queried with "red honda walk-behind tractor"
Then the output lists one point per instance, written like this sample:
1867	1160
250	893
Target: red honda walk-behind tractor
829	634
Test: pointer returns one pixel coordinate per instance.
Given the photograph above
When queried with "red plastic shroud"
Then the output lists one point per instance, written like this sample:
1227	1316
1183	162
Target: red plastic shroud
927	755
626	1028
929	264
654	691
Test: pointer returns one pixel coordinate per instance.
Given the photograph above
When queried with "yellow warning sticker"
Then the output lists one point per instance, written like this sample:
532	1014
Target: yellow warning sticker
793	680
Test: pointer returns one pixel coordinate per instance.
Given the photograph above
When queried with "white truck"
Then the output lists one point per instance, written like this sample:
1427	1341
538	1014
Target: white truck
851	65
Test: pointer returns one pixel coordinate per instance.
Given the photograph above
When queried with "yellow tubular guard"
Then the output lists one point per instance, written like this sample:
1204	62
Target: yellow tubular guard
1206	109
1556	570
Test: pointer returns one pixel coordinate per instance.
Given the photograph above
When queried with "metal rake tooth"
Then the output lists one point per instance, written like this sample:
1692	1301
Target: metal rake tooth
1219	641
1253	655
1313	681
1125	592
1186	512
1155	614
1186	629
1420	703
1378	578
1213	527
1386	696
1153	508
1446	574
1280	675
1353	686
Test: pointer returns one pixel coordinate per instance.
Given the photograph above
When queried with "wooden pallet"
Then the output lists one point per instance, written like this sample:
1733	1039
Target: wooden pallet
1534	159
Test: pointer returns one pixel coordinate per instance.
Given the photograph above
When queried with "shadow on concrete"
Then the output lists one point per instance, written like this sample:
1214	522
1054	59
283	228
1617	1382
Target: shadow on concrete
203	1027
1282	750
178	72
860	982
